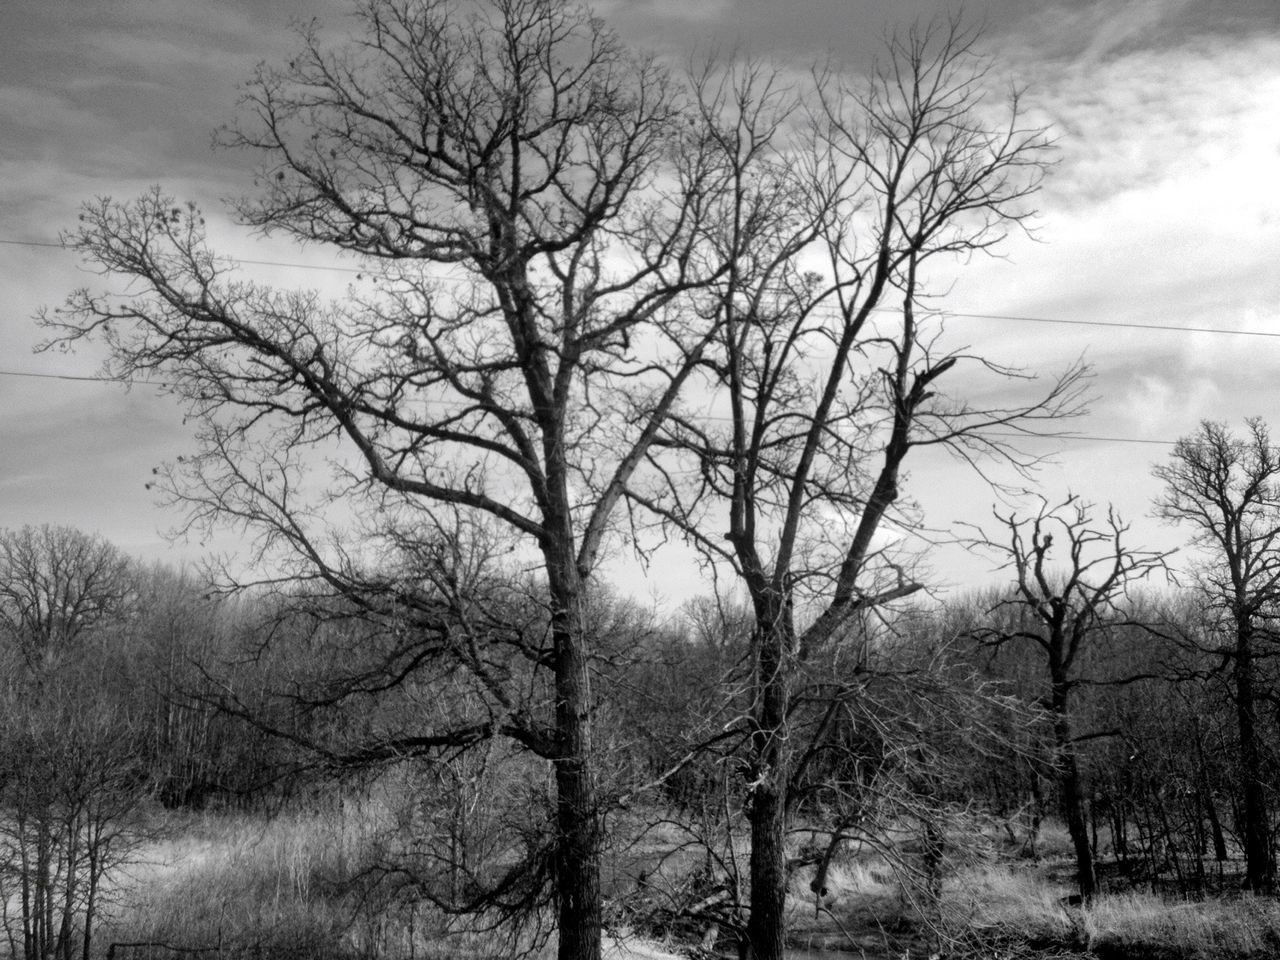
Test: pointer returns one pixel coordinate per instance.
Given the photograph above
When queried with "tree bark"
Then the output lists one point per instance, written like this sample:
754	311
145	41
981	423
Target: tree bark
577	821
1073	813
766	927
1208	800
1072	792
1259	867
577	860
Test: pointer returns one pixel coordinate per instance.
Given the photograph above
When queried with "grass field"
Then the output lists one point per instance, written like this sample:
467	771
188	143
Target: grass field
265	887
259	886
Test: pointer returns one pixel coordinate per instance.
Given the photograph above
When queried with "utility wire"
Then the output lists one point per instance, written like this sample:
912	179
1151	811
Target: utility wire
256	263
84	378
941	313
993	433
1127	325
1106	323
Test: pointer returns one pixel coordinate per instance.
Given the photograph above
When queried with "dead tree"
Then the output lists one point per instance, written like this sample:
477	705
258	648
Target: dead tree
1070	605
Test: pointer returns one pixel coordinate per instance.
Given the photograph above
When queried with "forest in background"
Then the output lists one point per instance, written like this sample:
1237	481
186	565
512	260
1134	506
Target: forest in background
941	764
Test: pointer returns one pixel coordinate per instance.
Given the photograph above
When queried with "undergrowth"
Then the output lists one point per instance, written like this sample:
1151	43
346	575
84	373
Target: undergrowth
273	886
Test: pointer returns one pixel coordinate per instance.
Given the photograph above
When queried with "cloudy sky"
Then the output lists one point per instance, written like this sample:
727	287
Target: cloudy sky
1163	210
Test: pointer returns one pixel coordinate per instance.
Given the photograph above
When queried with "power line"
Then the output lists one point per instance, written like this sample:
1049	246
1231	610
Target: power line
54	376
1025	436
256	263
940	313
76	377
33	243
1108	323
1083	437
1016	318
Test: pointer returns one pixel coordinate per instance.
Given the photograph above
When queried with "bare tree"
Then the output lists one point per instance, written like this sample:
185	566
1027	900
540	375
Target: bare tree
1071	608
71	782
1227	490
560	192
71	760
56	583
822	397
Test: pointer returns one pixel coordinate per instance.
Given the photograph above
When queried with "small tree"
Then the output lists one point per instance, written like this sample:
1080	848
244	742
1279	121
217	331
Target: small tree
1071	607
1226	489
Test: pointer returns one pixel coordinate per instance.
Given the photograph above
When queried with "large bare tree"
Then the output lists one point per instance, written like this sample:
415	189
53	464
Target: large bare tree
1226	489
531	201
824	375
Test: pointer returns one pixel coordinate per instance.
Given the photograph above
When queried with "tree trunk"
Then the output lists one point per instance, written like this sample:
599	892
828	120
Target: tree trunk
1072	792
577	862
96	852
1073	813
1259	869
766	927
1037	814
1207	798
1215	828
1119	830
28	927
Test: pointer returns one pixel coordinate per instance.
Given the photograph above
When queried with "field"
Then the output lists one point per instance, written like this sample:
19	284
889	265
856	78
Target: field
241	885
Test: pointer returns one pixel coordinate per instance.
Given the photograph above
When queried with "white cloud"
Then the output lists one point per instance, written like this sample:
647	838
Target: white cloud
1162	209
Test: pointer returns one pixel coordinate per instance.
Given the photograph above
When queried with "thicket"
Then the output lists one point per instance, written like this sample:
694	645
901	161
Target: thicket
927	738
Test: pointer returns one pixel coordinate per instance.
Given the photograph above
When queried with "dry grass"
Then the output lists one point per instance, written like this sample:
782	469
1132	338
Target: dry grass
1244	927
623	946
246	883
1006	903
1005	899
265	886
1053	842
993	900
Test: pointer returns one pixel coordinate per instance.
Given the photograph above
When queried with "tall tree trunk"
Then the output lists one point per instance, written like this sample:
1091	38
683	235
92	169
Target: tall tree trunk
766	927
577	863
1259	868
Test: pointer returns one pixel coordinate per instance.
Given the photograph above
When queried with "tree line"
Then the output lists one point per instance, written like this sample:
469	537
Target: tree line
1077	689
608	304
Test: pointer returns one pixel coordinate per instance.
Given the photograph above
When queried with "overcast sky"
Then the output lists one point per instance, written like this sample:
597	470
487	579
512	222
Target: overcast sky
1163	209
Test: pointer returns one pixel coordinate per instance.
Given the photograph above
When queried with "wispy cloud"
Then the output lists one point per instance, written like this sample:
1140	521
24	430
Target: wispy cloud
689	11
1090	32
1161	209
